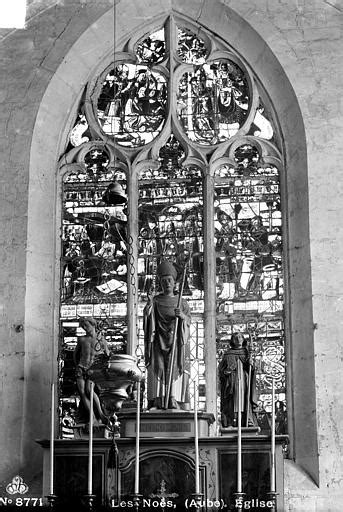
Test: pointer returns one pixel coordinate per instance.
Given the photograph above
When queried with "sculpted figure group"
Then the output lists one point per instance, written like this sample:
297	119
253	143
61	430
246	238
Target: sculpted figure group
166	322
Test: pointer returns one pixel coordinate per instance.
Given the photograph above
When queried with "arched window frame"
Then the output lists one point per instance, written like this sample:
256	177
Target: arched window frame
230	26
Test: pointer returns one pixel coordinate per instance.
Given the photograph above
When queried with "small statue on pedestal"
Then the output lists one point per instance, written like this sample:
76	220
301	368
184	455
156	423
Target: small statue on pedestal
160	316
237	375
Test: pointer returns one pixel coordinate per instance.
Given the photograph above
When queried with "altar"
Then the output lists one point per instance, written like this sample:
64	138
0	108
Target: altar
167	466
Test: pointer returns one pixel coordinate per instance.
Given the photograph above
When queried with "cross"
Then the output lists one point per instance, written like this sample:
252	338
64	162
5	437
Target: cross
161	493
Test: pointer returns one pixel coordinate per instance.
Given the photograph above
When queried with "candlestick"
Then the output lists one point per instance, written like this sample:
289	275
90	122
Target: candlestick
136	497
197	495
52	432
272	451
138	418
239	424
196	440
90	444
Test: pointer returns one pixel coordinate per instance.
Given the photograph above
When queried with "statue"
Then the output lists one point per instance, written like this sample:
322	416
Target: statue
280	418
87	350
161	315
237	375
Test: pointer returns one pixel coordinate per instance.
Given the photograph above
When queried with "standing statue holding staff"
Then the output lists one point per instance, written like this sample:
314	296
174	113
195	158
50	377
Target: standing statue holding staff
167	322
237	376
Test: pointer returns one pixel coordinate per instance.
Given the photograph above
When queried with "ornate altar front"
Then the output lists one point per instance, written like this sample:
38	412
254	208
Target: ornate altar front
167	466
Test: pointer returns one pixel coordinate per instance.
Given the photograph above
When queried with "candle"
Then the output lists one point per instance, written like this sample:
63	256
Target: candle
239	439
52	431
272	452
138	417
90	444
196	440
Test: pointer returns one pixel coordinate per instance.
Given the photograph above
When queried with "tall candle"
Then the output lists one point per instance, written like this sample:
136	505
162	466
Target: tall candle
138	419
239	439
196	440
272	451
52	432
90	444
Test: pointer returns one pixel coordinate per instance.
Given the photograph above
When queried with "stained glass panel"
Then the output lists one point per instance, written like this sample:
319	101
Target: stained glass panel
262	126
190	48
170	217
249	270
213	101
132	104
152	49
93	266
80	133
171	227
197	360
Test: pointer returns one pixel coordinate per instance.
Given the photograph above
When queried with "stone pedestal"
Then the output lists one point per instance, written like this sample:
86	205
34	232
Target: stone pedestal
165	423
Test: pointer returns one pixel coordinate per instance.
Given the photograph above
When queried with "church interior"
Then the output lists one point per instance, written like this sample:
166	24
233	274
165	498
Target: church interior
170	328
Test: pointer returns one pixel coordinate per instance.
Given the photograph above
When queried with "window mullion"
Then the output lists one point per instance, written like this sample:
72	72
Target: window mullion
210	297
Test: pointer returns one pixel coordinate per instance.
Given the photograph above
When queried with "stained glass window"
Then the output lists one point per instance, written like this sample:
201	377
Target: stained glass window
249	270
261	126
171	227
191	48
174	154
152	49
132	104
93	265
213	102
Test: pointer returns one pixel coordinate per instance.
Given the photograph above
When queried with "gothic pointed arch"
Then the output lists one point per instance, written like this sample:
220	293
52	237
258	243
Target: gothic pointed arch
214	104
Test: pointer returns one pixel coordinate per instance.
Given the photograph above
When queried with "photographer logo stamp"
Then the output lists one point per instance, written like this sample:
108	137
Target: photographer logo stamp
17	486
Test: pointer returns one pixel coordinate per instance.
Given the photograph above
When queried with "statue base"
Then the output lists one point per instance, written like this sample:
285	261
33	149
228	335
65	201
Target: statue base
165	423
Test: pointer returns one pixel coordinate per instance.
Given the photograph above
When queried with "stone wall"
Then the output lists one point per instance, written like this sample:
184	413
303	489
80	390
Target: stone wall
29	58
39	66
306	37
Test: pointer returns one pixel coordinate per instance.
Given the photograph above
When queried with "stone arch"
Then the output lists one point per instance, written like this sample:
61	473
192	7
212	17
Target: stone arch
57	110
